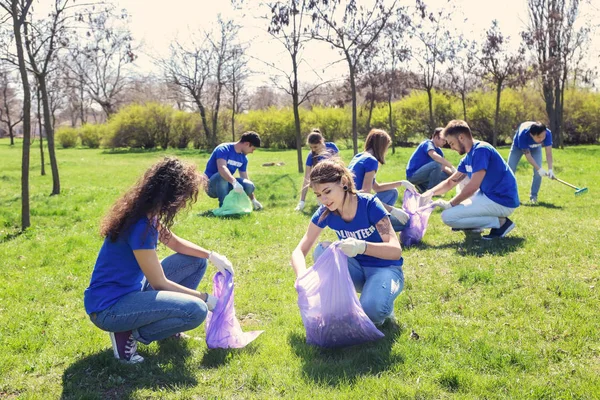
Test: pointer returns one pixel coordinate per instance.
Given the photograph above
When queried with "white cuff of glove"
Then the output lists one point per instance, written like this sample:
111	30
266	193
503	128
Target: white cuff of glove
542	172
551	174
238	187
220	262
352	247
256	204
300	206
211	302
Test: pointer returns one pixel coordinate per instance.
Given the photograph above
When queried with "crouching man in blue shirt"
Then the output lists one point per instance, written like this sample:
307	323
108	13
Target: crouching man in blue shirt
227	158
529	140
427	166
491	194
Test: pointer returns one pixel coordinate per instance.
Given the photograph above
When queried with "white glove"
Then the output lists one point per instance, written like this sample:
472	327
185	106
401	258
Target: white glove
425	198
256	204
400	215
542	172
238	187
221	262
300	206
409	186
551	174
351	247
443	204
211	302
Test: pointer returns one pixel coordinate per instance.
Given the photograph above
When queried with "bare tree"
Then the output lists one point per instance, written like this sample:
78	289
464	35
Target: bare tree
42	39
351	29
434	46
463	73
237	74
99	62
189	67
555	42
11	111
501	67
18	10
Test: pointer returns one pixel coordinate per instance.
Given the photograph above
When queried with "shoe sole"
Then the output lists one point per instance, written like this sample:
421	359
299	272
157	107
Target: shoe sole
113	341
506	232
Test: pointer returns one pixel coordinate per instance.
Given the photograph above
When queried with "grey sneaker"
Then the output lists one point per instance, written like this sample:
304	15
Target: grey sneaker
125	347
533	200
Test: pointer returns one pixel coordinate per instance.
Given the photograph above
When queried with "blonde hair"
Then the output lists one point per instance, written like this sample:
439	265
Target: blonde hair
332	170
378	141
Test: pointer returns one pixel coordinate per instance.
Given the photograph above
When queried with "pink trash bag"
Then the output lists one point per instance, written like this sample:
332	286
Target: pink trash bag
330	310
223	330
419	209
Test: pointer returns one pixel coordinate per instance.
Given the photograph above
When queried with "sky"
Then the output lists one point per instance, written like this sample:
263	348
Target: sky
156	26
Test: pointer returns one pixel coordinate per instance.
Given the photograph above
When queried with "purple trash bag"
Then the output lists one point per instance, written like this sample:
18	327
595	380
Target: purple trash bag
330	310
223	330
419	210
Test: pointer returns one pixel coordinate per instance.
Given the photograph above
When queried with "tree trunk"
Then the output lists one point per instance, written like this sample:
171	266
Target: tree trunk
39	115
233	103
296	106
25	214
497	116
463	98
354	121
371	106
81	107
215	117
430	102
11	133
49	136
391	122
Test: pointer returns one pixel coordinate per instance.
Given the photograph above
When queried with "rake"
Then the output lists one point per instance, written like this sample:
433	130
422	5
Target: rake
578	191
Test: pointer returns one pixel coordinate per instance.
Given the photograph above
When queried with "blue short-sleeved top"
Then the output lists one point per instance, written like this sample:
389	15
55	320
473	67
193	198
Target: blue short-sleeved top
361	164
369	212
330	148
523	139
499	183
117	272
227	152
421	157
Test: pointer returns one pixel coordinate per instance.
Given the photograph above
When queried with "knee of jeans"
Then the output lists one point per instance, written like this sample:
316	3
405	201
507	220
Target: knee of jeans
201	263
196	311
319	249
248	186
375	311
448	217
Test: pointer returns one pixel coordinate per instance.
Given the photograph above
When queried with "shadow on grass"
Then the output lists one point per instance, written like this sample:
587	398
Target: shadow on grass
345	365
101	376
209	214
10	236
215	358
543	204
475	245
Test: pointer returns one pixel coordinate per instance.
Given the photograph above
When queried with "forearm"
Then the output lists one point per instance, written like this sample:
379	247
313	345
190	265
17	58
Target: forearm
385	251
171	286
188	248
441	160
442	187
549	159
382	187
532	161
298	261
464	194
225	174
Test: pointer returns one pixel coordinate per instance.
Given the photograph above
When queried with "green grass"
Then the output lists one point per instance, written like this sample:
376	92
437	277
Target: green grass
516	318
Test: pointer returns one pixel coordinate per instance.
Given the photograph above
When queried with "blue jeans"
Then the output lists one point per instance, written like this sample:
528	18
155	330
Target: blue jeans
379	286
513	160
390	197
428	176
219	187
155	315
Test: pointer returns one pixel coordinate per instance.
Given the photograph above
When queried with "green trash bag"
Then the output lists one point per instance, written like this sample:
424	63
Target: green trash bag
234	204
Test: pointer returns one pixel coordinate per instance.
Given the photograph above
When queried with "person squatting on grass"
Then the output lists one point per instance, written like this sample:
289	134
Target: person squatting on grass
132	294
364	167
528	140
491	194
427	166
319	150
227	158
367	238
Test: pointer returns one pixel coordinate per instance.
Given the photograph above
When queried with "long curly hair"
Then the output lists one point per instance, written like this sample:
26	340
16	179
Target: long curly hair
160	194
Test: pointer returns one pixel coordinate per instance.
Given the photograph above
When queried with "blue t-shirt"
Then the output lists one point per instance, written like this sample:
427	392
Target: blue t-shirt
499	183
227	152
369	212
360	165
523	139
421	157
330	148
117	272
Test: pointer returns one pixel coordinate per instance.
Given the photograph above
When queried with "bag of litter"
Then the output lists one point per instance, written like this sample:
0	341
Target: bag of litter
223	330
330	310
234	204
419	210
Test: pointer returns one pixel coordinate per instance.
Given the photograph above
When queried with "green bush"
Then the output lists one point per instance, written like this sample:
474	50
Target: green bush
141	126
92	135
184	127
581	117
67	137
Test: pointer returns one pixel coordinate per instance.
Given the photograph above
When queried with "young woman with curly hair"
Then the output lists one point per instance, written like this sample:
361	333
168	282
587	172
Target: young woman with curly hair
133	295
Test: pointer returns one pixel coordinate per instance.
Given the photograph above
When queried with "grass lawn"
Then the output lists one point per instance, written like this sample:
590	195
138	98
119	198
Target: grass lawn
514	318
